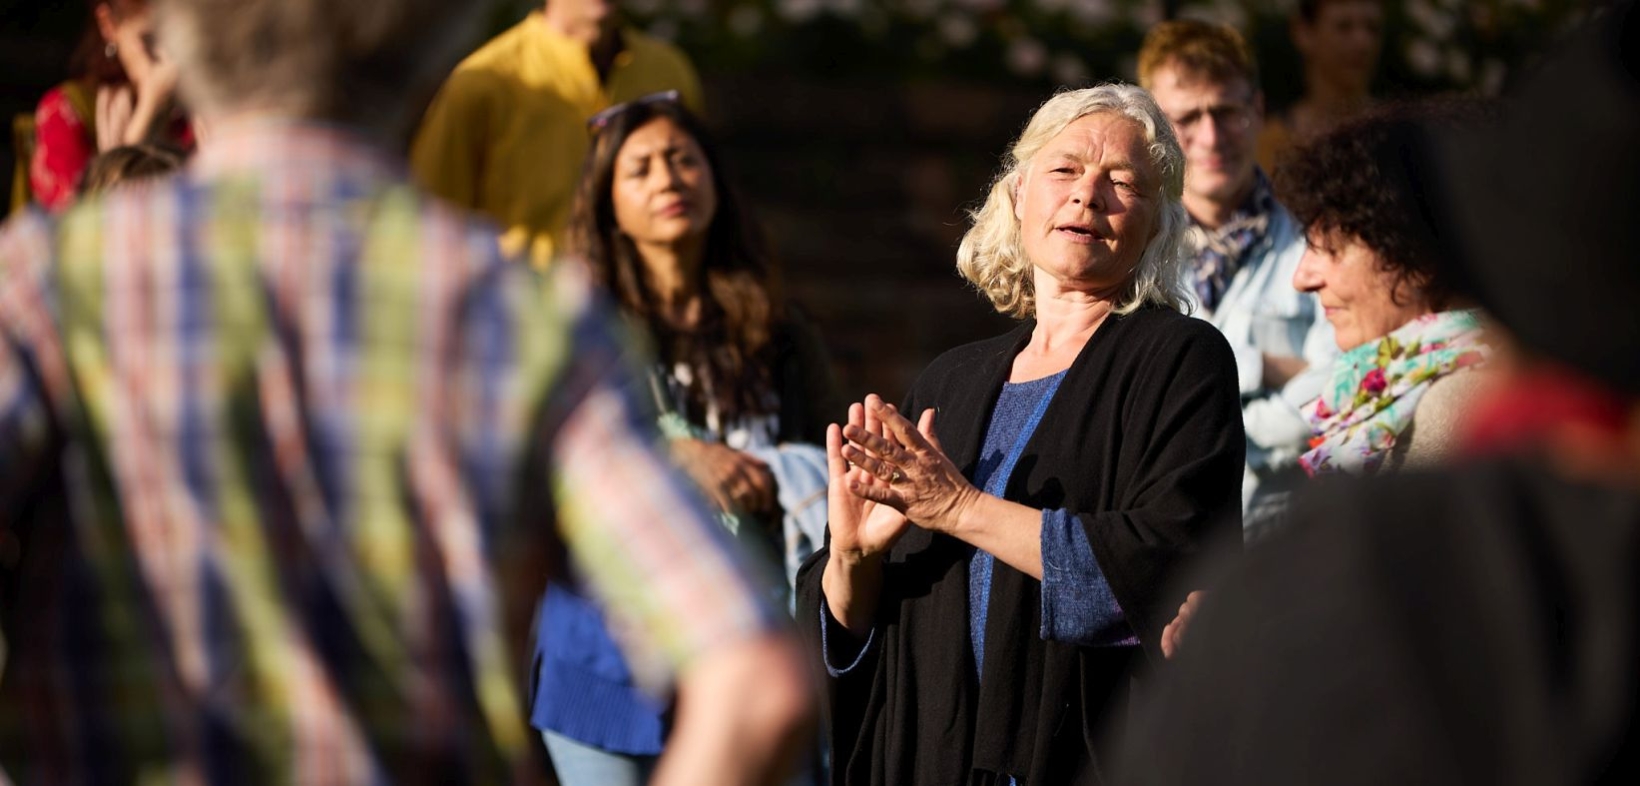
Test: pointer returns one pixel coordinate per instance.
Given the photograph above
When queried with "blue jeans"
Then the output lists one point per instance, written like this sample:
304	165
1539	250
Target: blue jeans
580	764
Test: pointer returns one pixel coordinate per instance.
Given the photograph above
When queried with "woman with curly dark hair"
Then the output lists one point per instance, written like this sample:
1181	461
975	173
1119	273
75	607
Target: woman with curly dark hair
741	383
1396	393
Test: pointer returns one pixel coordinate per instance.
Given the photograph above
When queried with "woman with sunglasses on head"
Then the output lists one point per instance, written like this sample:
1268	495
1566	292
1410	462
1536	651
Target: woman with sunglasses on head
741	383
123	93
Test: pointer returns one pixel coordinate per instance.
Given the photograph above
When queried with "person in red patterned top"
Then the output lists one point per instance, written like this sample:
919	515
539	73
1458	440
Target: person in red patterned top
123	93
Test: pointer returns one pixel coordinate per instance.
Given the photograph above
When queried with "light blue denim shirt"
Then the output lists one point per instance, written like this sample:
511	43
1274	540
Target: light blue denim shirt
1262	313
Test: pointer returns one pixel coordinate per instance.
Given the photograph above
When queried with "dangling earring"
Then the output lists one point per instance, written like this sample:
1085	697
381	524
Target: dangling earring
110	49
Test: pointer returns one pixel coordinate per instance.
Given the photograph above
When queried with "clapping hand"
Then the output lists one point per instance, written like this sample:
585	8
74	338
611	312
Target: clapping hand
903	467
860	527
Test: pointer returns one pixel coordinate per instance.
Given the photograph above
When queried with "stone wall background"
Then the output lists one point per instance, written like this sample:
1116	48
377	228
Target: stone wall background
863	190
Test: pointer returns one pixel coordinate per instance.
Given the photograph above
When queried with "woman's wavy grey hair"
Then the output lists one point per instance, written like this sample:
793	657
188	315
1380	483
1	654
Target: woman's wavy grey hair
991	256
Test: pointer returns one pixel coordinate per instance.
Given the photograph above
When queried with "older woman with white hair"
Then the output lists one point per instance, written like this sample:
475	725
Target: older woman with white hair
998	567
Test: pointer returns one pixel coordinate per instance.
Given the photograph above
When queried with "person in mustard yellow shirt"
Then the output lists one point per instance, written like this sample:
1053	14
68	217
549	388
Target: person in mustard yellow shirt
507	132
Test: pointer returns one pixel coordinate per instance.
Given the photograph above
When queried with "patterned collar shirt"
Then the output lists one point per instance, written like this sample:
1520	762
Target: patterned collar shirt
285	449
1219	253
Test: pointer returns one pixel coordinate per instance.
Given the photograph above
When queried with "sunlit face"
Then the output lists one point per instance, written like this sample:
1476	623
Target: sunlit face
1218	125
663	191
1343	42
1089	203
1357	292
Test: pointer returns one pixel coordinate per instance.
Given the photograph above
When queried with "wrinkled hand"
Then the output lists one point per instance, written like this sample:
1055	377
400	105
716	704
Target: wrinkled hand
860	527
732	480
909	471
1173	634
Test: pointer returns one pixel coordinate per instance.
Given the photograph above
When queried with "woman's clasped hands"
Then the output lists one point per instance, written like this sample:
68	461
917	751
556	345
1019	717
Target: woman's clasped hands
884	475
887	473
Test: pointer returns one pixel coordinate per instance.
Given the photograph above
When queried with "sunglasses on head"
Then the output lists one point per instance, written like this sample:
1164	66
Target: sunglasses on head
598	122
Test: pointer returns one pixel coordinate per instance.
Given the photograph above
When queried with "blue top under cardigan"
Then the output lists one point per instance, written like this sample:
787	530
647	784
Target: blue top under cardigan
1077	603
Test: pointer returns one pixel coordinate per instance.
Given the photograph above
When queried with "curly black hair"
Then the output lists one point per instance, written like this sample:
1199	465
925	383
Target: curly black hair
1368	180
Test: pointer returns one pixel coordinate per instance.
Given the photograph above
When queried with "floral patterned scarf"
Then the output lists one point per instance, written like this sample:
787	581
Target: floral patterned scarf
1375	388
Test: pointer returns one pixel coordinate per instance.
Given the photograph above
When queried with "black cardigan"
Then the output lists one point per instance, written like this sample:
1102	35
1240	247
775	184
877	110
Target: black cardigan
1143	443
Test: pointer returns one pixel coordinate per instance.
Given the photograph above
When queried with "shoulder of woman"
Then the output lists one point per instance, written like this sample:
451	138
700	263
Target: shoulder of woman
1450	394
1435	427
965	355
1162	330
69	102
960	367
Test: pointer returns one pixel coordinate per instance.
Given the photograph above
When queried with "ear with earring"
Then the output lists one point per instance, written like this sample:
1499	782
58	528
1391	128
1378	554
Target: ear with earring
110	49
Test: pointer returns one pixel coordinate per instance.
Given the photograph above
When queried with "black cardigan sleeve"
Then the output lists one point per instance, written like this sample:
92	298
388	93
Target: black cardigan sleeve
1179	470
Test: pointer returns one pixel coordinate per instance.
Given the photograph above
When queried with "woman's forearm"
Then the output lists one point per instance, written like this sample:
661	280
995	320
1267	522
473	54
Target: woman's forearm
744	714
852	586
1009	531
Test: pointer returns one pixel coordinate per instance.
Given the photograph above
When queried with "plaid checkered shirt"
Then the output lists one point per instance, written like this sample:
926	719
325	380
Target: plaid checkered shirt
284	445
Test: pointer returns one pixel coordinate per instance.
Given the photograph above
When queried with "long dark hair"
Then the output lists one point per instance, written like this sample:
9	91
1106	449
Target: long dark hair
91	61
731	348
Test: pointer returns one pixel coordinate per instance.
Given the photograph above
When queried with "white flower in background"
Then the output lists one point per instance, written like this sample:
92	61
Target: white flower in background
1093	13
957	31
799	10
1231	13
945	29
1424	57
746	20
1026	56
1148	14
1068	69
1458	66
1434	21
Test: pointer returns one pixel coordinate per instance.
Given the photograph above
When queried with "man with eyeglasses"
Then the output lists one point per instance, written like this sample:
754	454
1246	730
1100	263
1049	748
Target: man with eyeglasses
507	132
1243	249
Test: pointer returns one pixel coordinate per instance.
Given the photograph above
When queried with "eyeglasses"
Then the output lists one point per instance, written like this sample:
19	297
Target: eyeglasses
598	122
1230	117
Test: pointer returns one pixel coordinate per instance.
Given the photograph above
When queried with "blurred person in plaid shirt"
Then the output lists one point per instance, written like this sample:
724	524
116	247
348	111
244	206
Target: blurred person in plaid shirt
288	449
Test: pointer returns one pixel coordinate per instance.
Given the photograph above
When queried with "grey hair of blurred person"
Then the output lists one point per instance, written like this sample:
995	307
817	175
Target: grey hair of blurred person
362	63
992	257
